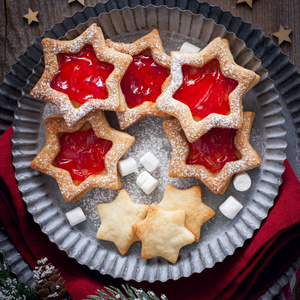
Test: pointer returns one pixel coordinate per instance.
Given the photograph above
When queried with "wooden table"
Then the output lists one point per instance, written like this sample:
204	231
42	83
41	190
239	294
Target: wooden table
16	35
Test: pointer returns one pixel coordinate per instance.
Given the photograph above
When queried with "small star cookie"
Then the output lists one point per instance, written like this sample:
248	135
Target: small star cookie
163	233
197	213
216	181
110	99
139	89
109	178
217	62
117	218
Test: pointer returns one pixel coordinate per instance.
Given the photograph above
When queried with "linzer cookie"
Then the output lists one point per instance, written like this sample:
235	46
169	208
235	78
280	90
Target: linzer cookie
82	75
205	89
82	156
143	80
215	157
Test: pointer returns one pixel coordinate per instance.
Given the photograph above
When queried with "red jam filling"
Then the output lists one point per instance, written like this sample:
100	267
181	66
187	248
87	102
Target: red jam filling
82	154
205	90
143	80
214	149
81	75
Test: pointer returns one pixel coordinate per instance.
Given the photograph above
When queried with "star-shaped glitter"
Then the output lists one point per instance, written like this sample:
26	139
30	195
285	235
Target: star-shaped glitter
217	49
189	200
249	2
117	218
109	178
163	233
150	42
70	111
31	16
283	35
80	1
217	182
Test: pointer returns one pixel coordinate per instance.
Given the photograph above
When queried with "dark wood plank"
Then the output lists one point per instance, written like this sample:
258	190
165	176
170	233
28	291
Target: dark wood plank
16	35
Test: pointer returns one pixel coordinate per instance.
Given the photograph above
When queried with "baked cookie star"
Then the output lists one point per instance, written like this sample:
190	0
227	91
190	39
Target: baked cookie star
163	233
82	75
215	157
117	218
142	82
82	156
197	213
205	89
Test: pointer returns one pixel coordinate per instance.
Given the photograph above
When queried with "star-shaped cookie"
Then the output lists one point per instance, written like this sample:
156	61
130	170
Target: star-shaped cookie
197	213
117	218
71	110
163	233
31	16
148	44
218	181
194	128
283	35
109	178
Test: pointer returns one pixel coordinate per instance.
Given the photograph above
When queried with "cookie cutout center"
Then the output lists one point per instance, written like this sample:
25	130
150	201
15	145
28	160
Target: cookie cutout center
82	76
205	90
214	149
82	154
143	80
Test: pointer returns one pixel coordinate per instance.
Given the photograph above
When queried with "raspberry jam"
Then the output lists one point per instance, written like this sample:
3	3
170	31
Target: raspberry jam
214	149
81	75
82	154
143	80
205	90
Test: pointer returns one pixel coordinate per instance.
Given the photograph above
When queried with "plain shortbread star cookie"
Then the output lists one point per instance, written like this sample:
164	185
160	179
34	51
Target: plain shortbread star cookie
117	218
197	213
163	233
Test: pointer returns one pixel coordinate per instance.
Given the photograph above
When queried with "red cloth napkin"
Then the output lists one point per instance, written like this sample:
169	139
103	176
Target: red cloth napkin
246	274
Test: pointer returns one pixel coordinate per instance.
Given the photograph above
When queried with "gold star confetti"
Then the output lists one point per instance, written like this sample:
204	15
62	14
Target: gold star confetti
249	2
283	35
31	16
80	1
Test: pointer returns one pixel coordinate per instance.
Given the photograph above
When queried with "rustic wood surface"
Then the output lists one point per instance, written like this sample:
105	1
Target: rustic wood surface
16	35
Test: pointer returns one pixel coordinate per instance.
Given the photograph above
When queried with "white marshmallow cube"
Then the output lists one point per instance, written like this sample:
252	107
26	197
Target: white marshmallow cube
75	216
149	161
142	178
190	48
146	182
242	182
230	207
127	166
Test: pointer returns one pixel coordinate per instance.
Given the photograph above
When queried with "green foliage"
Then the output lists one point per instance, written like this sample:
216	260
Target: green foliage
112	293
10	287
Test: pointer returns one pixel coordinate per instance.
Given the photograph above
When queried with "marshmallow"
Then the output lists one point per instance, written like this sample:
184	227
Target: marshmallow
230	207
188	47
127	166
146	182
142	178
242	182
149	161
75	216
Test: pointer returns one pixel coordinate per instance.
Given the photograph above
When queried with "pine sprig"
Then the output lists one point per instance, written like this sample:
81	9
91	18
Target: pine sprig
10	287
113	293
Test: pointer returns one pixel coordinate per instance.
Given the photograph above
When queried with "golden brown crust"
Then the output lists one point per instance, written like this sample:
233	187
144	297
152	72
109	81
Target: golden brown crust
152	42
93	35
117	218
108	179
189	200
217	49
219	181
163	233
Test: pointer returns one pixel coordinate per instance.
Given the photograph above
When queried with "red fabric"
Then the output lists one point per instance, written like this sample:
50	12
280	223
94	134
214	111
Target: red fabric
246	274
